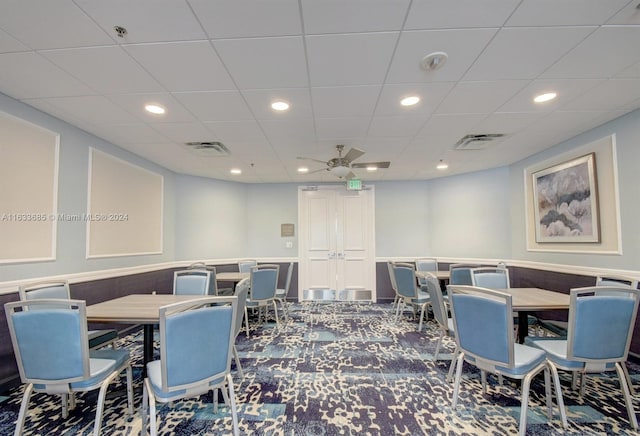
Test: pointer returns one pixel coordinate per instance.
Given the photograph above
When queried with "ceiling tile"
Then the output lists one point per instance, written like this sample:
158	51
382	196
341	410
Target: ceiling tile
102	110
341	127
479	97
288	129
524	53
44	24
145	20
338	16
237	130
507	123
259	101
354	59
454	14
248	18
450	127
614	94
185	132
431	94
632	71
462	46
183	66
29	75
9	44
604	53
135	103
139	133
344	101
215	105
109	70
627	15
564	13
395	126
265	62
567	90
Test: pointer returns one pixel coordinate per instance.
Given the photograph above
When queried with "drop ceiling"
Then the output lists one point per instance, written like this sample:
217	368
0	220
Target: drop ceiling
343	66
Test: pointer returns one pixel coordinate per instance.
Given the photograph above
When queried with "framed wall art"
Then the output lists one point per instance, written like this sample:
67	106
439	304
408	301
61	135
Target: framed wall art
565	198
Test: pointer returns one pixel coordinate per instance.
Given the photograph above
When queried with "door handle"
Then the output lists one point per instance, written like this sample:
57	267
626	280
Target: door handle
331	255
341	256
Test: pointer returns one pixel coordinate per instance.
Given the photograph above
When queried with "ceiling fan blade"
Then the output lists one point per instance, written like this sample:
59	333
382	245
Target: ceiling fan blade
384	164
353	154
310	158
317	171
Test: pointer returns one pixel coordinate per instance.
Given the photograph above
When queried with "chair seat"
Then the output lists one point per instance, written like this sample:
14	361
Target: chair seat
120	356
422	298
556	350
101	337
281	293
154	374
99	368
526	358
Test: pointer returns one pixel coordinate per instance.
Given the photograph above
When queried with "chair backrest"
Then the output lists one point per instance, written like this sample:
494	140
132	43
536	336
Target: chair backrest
241	292
437	301
617	281
244	266
490	277
601	325
196	337
426	265
483	324
50	343
405	279
461	274
392	276
58	290
193	282
264	281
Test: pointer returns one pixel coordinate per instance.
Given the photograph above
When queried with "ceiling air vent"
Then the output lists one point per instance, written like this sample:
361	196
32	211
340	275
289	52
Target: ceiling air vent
208	148
476	142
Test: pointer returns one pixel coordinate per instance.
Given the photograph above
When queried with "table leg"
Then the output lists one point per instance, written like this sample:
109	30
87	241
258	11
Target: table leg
523	326
147	355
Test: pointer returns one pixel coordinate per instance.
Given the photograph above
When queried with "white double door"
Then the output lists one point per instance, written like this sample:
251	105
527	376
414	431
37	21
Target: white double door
337	243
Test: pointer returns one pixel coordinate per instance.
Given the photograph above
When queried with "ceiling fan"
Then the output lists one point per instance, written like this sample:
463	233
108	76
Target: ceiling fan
341	166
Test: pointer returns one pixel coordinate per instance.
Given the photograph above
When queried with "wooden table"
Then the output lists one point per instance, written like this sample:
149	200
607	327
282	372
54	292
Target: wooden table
136	309
231	276
440	274
526	300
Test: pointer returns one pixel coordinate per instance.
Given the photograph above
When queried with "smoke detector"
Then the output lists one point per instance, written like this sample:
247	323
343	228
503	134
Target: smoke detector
476	141
208	148
434	61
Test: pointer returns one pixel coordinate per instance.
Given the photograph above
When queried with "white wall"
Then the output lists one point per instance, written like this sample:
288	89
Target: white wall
72	199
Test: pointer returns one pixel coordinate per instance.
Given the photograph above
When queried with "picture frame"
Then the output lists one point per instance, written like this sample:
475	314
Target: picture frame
565	199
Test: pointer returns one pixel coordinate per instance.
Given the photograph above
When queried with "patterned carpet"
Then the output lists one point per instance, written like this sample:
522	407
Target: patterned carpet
342	369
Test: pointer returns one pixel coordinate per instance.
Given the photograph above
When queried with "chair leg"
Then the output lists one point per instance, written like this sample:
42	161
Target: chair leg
456	386
526	383
275	310
435	356
145	408
24	406
64	400
232	402
483	381
628	377
246	319
100	406
130	390
547	392
421	316
627	396
238	366
453	365
556	382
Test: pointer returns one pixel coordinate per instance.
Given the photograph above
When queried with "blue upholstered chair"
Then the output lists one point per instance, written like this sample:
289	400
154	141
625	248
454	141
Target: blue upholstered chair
490	277
244	266
264	282
193	282
460	274
483	325
599	331
410	294
196	345
441	315
213	284
51	346
426	265
394	286
59	289
617	281
281	293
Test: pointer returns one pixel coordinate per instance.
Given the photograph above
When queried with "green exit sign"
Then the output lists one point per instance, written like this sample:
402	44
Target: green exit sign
354	184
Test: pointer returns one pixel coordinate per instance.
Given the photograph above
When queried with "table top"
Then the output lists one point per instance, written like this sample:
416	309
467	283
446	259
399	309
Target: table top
526	299
231	276
133	309
440	274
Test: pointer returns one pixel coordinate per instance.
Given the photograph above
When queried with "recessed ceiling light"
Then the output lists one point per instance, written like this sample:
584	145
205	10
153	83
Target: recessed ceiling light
303	170
545	97
442	165
236	171
280	105
155	109
372	168
410	101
